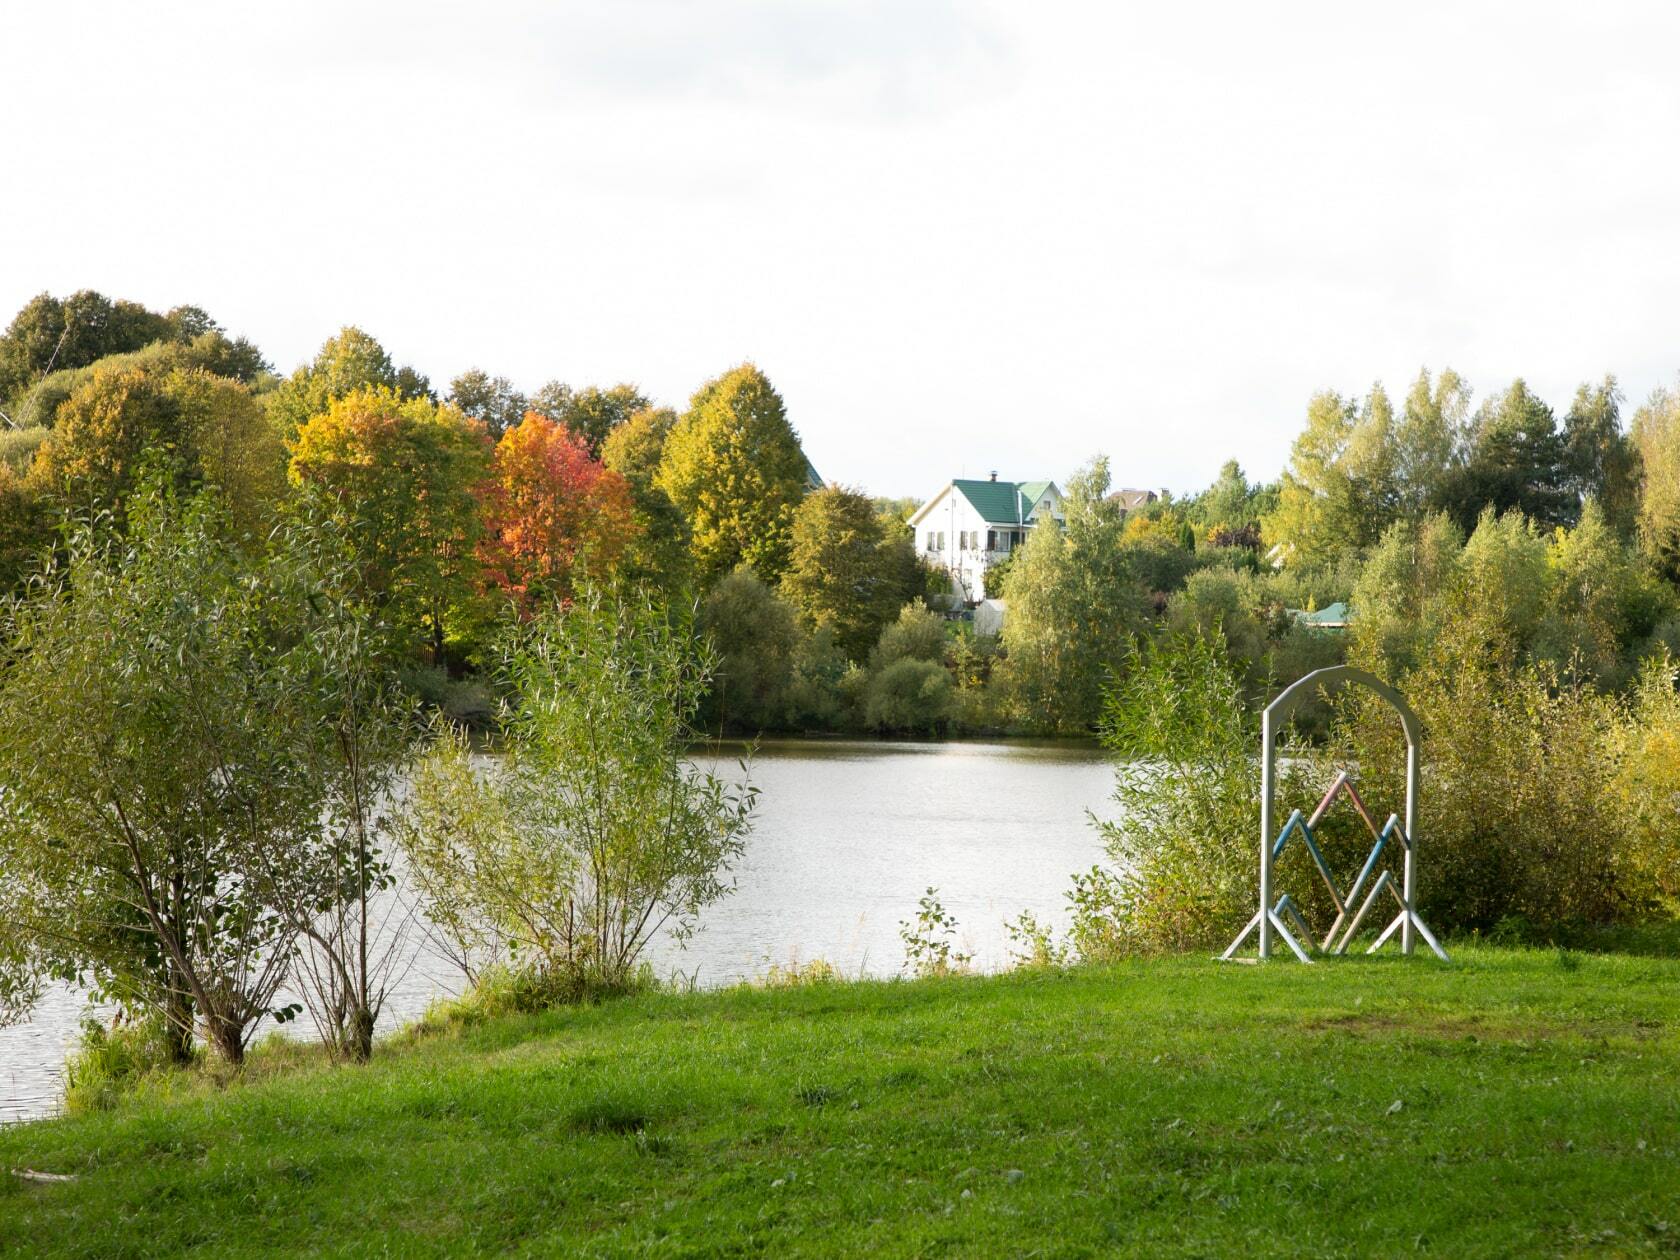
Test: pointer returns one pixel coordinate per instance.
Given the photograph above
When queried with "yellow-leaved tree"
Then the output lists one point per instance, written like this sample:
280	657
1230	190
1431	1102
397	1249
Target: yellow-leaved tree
733	466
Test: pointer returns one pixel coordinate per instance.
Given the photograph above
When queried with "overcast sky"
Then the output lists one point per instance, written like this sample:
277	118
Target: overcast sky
957	237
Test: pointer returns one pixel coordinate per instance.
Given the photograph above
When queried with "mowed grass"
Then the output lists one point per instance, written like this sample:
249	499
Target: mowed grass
1513	1103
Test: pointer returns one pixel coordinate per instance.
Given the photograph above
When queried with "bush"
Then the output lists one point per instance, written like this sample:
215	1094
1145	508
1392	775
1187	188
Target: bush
501	990
798	975
814	699
18	446
591	833
754	633
910	696
918	635
109	1063
1648	779
930	940
1526	812
1181	872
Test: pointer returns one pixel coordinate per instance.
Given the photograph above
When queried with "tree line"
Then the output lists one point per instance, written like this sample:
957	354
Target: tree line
483	500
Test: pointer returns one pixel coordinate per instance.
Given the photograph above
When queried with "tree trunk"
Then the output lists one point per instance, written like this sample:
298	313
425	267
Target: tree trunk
228	1038
178	1017
358	1035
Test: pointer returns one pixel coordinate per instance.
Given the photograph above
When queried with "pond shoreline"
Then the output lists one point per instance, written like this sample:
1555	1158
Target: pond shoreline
851	833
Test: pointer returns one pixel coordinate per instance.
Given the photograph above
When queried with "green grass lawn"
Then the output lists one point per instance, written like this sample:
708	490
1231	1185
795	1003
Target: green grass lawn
1517	1103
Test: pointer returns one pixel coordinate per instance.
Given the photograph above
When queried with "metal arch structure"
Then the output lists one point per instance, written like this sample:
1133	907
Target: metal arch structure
1268	919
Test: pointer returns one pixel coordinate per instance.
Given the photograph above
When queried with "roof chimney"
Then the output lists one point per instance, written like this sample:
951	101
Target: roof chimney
994	474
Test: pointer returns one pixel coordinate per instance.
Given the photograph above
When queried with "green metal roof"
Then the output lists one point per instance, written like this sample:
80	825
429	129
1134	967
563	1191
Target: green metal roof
1331	615
998	502
1002	502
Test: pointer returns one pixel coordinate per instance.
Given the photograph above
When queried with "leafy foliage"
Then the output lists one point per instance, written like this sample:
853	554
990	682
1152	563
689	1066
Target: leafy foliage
754	635
1656	435
491	400
552	513
593	413
1181	848
592	833
1073	605
202	429
401	480
349	362
658	554
930	940
155	846
734	467
845	571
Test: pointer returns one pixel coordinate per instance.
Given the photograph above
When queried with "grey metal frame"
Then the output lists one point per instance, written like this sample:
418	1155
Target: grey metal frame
1268	918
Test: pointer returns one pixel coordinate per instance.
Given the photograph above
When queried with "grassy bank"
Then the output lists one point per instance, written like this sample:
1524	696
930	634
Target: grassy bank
1514	1103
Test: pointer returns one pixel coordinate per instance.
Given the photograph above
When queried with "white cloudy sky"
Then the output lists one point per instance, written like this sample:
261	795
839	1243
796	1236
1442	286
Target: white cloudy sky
957	236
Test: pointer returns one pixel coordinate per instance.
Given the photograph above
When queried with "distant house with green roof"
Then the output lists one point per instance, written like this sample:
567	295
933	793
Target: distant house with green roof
969	526
1330	617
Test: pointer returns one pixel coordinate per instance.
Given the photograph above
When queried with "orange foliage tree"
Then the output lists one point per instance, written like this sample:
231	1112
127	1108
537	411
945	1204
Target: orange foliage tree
553	513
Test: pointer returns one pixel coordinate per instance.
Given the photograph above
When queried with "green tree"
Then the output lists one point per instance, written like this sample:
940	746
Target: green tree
1180	873
347	362
1430	439
592	413
1656	436
1339	492
1073	605
155	847
917	634
358	727
1227	503
659	553
733	466
1405	589
1594	591
593	832
209	352
1504	573
1220	603
844	572
910	697
491	400
25	529
50	333
1515	461
1599	459
402	480
200	428
755	635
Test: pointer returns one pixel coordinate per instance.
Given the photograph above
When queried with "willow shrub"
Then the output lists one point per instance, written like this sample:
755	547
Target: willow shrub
1182	850
592	832
1541	806
1545	807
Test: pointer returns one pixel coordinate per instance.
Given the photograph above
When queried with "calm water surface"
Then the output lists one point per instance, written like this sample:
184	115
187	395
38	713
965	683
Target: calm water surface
849	835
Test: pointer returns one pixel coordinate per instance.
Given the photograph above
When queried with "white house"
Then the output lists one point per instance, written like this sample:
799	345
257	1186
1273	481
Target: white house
969	526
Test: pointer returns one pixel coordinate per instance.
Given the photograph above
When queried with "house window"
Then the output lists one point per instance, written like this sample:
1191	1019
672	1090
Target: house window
941	540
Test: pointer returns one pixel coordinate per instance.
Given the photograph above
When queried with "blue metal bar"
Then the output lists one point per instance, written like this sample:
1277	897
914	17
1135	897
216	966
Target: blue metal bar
1295	820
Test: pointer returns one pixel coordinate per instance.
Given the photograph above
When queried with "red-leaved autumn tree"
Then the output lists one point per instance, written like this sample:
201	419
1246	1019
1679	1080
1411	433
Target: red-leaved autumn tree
553	514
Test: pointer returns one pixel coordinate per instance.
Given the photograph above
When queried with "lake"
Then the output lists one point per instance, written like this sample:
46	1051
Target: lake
849	835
